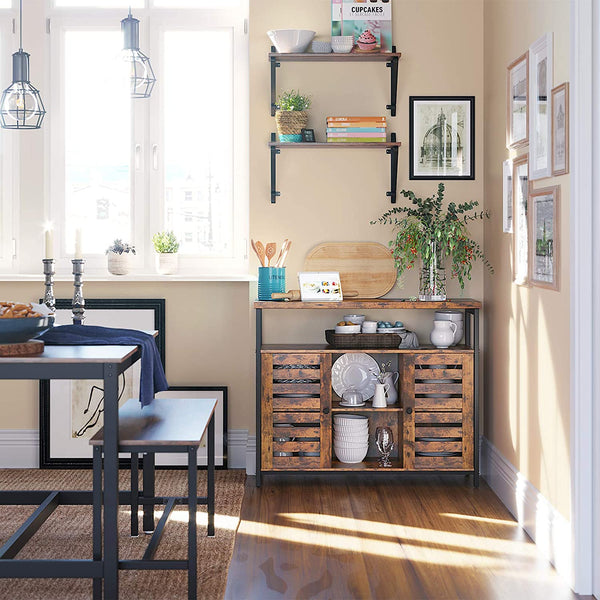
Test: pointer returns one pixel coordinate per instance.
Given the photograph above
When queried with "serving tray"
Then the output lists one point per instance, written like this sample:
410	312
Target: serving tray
362	340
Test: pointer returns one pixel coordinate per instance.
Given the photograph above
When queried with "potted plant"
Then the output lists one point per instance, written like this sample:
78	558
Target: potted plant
166	247
291	116
118	256
427	231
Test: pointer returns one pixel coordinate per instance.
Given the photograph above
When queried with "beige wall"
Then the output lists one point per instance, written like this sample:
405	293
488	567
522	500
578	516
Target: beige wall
527	328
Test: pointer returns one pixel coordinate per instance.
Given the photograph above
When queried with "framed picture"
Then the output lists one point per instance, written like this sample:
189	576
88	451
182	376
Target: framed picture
544	234
540	125
191	391
308	135
320	286
71	410
507	196
517	132
560	129
520	178
442	137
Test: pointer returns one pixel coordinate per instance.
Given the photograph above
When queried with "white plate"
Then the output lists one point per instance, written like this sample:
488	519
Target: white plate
355	371
348	404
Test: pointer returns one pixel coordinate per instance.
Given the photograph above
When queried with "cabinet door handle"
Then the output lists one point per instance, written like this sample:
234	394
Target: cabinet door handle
409	411
326	410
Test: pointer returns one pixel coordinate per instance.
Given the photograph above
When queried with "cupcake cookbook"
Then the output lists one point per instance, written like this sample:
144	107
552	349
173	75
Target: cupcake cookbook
368	21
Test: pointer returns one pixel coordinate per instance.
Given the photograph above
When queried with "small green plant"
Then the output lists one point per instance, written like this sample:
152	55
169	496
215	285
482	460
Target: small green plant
165	242
119	246
293	100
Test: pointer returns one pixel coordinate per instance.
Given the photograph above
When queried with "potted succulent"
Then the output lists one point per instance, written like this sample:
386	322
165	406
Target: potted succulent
166	247
291	116
428	232
119	255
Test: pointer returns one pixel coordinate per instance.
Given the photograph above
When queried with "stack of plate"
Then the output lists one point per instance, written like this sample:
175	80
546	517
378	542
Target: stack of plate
350	437
456	316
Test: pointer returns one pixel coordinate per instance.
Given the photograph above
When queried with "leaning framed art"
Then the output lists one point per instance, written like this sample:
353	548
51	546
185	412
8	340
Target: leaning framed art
70	410
544	224
507	196
442	137
517	122
560	129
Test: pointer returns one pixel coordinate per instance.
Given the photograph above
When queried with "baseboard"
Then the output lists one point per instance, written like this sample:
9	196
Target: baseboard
19	449
543	523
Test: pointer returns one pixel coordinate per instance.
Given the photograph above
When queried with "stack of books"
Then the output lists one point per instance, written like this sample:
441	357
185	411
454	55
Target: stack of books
356	129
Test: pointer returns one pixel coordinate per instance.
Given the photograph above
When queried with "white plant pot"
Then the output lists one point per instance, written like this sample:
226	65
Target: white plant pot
118	264
167	263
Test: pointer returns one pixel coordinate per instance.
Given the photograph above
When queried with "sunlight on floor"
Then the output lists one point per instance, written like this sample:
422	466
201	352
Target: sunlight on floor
480	519
180	515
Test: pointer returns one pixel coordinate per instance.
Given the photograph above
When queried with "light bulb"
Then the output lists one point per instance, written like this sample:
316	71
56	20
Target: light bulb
20	103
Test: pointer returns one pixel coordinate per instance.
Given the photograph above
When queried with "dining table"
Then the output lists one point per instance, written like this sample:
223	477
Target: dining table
73	362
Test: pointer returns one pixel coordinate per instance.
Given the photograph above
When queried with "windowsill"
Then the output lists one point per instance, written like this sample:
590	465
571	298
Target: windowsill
133	277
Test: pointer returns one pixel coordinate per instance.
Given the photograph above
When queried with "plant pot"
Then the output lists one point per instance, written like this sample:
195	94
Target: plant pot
290	124
118	264
167	263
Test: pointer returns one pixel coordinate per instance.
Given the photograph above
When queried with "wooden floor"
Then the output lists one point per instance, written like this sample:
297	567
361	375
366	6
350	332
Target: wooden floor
423	537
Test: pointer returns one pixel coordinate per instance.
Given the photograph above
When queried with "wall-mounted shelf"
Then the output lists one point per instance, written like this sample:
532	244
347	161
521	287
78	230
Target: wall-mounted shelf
389	58
391	148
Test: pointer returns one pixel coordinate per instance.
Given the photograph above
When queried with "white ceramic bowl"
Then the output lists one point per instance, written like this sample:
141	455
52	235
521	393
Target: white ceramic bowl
350	455
291	40
352	439
350	446
350	420
449	315
357	319
347	328
339	428
319	47
342	44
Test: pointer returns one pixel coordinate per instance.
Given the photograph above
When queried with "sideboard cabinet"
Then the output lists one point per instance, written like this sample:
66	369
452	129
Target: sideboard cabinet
434	422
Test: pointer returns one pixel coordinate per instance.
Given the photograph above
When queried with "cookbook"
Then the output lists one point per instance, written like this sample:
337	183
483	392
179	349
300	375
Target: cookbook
368	21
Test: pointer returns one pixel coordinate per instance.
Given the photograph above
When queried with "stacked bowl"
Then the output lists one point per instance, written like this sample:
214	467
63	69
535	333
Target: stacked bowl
350	437
456	316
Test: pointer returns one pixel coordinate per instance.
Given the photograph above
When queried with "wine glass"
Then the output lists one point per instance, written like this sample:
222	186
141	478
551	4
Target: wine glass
384	438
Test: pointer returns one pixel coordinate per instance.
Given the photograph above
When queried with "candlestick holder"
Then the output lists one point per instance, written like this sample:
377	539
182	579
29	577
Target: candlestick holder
78	304
49	300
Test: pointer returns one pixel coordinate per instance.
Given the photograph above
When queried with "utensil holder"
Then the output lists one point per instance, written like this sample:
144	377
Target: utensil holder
270	280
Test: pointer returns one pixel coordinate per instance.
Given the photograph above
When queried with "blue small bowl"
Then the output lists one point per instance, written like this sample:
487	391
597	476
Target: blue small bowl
15	331
290	137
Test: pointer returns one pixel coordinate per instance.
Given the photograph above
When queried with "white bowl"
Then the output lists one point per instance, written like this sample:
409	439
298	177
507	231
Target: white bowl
342	43
319	47
357	319
350	455
347	328
349	439
350	420
449	315
291	40
350	428
350	446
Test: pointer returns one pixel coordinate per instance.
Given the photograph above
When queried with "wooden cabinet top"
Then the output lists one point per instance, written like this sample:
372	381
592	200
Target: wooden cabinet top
371	303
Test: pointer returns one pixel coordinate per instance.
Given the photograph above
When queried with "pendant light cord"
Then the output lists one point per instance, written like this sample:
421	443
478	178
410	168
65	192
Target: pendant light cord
20	25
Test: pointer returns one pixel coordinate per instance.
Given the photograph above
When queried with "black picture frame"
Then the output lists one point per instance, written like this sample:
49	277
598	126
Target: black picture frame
438	150
156	317
308	135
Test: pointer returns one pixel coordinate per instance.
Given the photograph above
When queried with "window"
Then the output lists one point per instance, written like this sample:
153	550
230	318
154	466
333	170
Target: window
178	160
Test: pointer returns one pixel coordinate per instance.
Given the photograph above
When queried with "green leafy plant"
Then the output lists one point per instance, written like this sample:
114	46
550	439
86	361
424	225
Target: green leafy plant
119	246
293	100
428	232
165	242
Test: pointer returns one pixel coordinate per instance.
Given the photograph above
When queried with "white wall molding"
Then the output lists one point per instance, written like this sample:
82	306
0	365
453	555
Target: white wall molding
19	448
251	455
237	441
544	524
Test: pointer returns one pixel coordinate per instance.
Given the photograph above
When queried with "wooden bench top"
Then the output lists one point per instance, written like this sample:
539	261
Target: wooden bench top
168	421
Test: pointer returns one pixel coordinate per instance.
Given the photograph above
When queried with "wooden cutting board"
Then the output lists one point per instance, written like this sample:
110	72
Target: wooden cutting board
367	267
30	348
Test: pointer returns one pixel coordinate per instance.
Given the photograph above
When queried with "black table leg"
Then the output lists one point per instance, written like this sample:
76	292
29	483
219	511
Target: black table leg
192	526
148	492
97	517
210	478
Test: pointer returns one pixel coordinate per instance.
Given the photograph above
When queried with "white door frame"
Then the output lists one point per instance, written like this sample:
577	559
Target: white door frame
585	291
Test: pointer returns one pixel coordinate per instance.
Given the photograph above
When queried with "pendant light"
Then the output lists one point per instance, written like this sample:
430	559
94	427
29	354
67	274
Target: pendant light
141	74
21	106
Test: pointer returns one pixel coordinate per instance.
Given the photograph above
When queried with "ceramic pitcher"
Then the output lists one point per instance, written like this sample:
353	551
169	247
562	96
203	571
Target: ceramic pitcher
443	332
390	381
379	397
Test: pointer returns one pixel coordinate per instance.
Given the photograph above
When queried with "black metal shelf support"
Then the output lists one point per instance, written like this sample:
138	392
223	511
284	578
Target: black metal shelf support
274	65
393	65
274	152
393	152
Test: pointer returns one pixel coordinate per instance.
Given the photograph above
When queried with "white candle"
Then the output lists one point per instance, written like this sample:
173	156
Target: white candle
78	252
49	235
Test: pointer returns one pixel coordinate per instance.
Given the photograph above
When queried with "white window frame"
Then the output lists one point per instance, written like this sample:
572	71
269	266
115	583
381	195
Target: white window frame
147	188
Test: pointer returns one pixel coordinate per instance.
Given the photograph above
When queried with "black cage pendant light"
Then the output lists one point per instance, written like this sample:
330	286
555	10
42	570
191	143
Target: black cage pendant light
141	74
21	106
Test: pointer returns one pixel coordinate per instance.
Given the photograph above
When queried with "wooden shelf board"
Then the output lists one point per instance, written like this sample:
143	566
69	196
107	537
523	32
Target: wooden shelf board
334	57
336	408
394	303
324	348
334	144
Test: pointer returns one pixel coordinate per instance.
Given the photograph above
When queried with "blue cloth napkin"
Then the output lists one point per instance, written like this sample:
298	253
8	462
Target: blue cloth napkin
152	377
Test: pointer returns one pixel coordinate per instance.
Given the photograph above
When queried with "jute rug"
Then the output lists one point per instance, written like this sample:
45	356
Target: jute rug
68	534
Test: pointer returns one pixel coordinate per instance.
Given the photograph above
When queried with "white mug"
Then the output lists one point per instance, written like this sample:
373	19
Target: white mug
379	400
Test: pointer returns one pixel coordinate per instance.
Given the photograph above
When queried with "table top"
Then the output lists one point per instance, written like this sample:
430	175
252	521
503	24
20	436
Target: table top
75	354
371	303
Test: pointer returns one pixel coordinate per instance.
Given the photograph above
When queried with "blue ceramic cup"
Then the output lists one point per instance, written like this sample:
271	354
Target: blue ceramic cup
270	280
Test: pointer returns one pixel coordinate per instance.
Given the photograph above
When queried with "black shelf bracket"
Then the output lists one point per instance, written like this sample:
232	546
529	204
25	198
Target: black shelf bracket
393	65
274	65
393	152
274	152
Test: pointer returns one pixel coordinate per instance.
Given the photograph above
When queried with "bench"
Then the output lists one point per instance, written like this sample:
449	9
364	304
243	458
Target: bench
167	425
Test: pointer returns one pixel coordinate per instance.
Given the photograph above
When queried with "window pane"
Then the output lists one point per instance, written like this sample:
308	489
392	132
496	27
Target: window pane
97	140
99	3
198	91
214	4
5	3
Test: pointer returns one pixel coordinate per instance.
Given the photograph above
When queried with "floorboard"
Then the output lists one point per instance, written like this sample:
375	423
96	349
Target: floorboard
347	537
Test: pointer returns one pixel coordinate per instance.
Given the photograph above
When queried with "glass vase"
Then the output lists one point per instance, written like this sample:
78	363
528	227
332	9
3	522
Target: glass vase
432	279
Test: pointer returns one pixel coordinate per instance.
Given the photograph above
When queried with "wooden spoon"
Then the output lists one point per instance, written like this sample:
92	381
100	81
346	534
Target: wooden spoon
279	256
286	248
270	251
260	251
